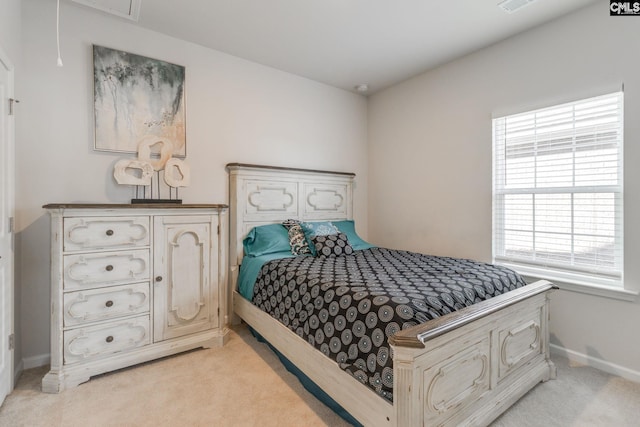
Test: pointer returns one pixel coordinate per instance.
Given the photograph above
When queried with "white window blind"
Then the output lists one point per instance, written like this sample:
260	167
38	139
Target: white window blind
558	188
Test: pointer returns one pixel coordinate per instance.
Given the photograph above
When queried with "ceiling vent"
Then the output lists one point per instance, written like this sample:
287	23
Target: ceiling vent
511	6
129	9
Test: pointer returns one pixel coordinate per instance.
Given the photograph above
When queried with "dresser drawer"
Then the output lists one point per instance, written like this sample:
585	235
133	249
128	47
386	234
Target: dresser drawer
83	271
105	303
87	343
89	233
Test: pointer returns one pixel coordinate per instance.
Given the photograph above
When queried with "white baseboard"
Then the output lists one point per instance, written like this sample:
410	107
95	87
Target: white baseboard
36	361
17	372
594	362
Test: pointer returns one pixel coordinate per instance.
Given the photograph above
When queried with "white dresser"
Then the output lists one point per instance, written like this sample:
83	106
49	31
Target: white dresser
132	283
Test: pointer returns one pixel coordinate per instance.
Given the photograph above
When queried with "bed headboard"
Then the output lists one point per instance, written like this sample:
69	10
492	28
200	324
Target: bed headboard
261	195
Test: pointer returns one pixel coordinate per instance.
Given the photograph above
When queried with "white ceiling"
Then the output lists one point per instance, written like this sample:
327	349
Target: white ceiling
344	43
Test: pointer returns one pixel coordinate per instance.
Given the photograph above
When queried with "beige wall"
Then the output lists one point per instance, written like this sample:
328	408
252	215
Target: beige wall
237	111
430	157
10	28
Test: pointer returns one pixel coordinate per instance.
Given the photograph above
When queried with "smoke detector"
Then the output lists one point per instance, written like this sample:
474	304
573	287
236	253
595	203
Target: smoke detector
129	9
511	6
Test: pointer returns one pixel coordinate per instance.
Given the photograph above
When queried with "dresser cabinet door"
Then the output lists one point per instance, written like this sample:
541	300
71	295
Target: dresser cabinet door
185	280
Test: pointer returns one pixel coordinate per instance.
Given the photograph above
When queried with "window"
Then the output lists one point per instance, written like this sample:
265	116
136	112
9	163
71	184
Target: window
558	191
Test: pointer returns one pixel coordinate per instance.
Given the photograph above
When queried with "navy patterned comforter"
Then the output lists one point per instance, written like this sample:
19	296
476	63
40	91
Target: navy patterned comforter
348	306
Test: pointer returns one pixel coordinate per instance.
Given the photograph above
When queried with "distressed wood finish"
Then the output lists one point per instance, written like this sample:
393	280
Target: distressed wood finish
132	283
465	368
96	269
416	336
82	234
106	303
185	294
472	373
265	195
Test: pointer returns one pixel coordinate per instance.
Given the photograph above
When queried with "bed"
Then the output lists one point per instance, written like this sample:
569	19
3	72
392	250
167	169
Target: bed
461	368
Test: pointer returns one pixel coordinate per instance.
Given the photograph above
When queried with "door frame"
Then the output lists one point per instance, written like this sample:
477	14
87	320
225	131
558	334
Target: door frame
10	150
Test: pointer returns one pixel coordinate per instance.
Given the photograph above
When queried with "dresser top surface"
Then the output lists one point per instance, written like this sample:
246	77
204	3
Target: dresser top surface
103	206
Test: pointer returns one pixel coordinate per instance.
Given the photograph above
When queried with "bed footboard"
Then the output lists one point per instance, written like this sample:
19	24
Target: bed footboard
466	368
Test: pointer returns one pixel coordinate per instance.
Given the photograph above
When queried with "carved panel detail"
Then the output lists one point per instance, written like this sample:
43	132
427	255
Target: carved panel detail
107	303
271	198
520	344
183	268
92	342
326	199
459	381
187	279
98	233
104	269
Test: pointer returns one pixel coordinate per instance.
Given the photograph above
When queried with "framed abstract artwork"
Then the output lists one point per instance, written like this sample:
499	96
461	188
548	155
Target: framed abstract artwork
137	100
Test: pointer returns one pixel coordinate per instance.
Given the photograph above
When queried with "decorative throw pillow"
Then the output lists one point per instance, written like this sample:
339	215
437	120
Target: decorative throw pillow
324	228
332	245
320	228
297	241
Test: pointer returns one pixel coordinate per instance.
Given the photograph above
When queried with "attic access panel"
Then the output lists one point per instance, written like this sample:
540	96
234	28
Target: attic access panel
129	9
511	6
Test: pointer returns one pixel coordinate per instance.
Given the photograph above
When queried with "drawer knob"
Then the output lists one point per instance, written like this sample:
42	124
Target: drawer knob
109	232
109	267
109	338
109	303
159	279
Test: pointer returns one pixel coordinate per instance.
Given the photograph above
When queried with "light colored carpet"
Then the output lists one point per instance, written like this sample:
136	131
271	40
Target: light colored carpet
581	396
244	384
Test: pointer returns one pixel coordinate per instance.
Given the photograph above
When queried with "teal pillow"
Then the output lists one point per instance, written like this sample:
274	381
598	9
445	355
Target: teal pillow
348	227
266	239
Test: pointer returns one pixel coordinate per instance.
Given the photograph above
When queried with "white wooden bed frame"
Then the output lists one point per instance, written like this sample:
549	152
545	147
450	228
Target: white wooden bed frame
465	368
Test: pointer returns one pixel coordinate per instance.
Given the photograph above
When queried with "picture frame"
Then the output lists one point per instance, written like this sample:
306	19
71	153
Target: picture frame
137	99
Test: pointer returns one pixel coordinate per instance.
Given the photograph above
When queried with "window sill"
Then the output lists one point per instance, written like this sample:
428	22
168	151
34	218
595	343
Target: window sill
598	290
601	290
